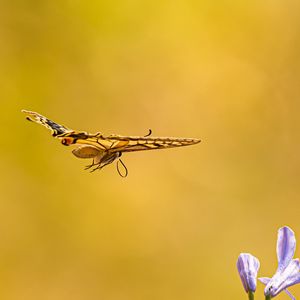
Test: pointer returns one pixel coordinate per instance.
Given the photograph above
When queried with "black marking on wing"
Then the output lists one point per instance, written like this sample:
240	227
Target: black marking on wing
57	129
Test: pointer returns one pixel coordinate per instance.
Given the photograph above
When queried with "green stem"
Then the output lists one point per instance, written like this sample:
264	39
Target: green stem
268	297
251	295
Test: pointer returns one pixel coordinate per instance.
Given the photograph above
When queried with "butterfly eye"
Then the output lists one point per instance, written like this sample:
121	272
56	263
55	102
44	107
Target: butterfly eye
67	141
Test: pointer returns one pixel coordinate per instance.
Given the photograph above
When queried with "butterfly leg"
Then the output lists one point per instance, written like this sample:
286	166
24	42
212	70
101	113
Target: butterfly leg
91	165
96	168
107	159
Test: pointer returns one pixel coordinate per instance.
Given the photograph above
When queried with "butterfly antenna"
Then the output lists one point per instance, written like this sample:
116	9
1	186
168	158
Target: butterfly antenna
125	168
149	133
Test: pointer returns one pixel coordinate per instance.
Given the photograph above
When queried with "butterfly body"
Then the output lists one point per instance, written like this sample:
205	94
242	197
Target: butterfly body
104	149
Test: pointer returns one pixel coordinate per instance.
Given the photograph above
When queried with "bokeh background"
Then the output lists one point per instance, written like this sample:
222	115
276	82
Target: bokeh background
227	72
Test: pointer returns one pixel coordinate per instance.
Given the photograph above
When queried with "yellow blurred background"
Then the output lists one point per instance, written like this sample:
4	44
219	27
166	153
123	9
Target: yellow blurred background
227	72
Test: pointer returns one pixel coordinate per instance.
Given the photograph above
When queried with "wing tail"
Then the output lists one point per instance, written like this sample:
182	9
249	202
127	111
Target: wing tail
55	128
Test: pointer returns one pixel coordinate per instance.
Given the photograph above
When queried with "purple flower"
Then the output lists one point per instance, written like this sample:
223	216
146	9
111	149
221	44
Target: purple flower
288	271
248	266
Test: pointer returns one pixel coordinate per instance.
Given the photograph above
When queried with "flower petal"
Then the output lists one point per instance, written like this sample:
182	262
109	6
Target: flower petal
291	274
248	266
286	245
264	280
283	279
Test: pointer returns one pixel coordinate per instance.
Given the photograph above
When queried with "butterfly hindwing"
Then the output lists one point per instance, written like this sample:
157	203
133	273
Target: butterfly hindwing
86	151
56	129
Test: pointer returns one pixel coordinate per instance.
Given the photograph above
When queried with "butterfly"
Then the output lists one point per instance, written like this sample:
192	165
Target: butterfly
105	149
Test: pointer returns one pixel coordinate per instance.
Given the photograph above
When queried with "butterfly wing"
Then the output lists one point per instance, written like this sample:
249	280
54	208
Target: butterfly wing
55	128
152	143
118	143
110	143
85	151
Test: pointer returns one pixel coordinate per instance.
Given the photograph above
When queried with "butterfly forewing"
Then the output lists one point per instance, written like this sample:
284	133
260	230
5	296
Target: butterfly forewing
149	143
118	143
